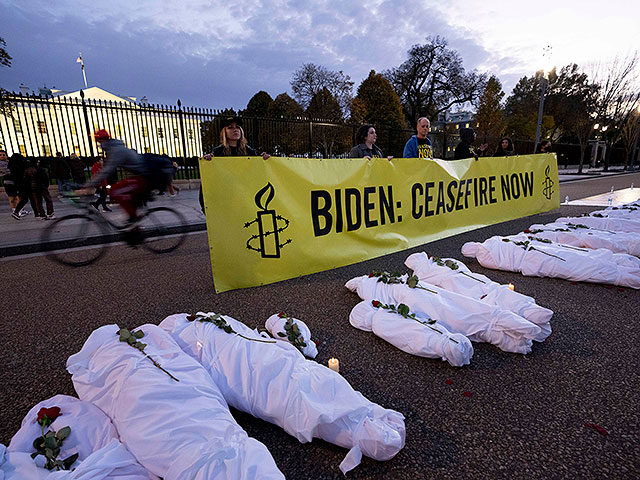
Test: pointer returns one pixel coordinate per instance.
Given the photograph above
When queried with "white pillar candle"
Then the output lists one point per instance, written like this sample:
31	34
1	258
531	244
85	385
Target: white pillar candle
334	364
511	287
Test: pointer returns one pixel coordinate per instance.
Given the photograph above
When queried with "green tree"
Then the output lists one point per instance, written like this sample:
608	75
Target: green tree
5	58
258	106
283	106
376	102
324	106
310	79
490	116
432	80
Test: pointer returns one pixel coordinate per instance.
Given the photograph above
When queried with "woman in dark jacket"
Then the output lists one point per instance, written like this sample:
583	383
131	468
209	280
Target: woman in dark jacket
366	144
505	148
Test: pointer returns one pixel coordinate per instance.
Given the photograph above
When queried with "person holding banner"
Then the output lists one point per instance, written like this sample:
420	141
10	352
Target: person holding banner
366	138
505	148
232	144
544	147
419	146
464	148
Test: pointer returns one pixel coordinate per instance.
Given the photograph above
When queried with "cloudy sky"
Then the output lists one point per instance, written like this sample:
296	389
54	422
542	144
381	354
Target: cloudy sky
218	54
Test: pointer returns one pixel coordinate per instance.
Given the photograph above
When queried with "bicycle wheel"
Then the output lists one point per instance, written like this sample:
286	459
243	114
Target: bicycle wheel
75	240
162	229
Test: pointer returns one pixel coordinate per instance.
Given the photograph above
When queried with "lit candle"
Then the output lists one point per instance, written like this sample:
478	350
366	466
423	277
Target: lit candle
334	364
511	287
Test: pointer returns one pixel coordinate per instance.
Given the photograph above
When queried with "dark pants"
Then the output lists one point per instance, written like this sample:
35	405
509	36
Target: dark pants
25	196
41	194
102	191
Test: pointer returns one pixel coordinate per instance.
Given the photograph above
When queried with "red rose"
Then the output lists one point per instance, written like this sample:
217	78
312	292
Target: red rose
466	393
48	415
620	289
371	275
448	381
375	303
574	283
597	428
282	315
608	286
191	318
527	231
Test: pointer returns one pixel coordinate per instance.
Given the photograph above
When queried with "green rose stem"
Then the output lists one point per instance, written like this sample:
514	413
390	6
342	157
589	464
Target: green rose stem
573	248
403	311
476	279
220	322
131	338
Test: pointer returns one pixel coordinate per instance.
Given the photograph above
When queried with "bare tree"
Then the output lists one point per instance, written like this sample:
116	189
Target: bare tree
432	80
310	79
618	97
630	134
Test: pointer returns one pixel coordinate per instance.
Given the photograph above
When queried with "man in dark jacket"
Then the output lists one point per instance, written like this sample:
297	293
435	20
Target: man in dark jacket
61	172
77	169
17	167
465	148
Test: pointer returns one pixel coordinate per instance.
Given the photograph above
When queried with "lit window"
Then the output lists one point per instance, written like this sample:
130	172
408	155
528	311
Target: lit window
190	132
17	125
46	150
457	126
466	125
160	132
23	150
147	150
72	127
175	133
42	127
76	148
118	130
145	132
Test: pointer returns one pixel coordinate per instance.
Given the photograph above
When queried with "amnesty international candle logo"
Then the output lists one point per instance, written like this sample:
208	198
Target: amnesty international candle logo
268	228
547	184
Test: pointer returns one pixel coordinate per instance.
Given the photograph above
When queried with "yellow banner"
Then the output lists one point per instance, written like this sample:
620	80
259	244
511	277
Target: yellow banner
269	220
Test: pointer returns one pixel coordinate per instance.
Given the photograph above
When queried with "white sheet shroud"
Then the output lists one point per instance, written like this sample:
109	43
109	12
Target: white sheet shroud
482	289
478	321
597	266
617	242
93	437
274	381
617	224
275	324
177	430
412	337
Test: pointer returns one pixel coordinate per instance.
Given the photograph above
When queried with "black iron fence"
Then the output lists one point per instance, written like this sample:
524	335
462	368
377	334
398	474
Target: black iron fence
41	126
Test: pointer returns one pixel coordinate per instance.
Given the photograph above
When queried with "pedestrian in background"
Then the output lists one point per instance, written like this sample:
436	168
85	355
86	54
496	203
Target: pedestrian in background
419	146
101	188
76	165
61	172
544	147
39	182
505	148
7	180
17	167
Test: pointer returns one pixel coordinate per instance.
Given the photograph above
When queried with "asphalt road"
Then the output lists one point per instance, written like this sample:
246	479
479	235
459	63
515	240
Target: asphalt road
526	415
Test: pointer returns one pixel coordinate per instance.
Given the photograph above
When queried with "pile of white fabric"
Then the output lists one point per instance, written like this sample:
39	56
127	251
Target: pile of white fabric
605	222
580	235
453	275
416	335
178	426
523	253
272	380
477	320
275	324
93	438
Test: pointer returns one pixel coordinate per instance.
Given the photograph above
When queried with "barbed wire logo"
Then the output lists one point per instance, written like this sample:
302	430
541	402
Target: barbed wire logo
547	184
268	228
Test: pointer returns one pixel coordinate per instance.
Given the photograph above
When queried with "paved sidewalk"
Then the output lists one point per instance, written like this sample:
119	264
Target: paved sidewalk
19	237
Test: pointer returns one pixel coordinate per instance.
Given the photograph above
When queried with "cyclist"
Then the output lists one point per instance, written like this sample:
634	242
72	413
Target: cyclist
131	192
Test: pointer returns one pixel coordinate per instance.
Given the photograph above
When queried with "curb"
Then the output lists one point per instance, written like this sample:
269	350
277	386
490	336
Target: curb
38	247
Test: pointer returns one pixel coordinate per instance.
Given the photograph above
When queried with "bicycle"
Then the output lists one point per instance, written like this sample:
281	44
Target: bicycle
83	238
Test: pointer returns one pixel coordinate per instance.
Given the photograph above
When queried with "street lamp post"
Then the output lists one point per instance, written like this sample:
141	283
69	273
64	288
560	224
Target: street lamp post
544	84
635	151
